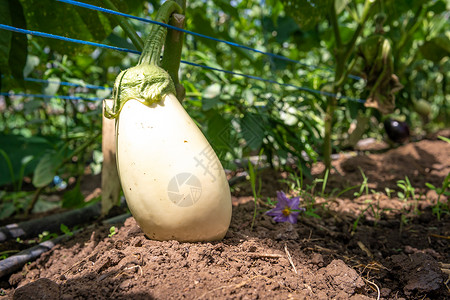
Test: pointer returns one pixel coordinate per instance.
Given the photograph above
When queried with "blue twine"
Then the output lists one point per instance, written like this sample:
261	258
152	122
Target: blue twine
63	38
50	96
41	34
109	11
65	83
275	82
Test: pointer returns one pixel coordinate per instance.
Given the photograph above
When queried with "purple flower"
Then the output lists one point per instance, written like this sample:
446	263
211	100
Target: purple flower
286	210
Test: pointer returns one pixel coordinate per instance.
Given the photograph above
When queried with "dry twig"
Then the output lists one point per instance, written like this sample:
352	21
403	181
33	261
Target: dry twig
263	255
290	258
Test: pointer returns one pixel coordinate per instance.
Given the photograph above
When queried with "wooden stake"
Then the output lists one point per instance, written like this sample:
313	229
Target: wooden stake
110	176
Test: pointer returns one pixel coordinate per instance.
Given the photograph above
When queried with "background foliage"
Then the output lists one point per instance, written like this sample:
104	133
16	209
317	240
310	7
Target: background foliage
239	116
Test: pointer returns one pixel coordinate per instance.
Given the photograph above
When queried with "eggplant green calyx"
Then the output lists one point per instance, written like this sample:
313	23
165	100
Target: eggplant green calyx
146	82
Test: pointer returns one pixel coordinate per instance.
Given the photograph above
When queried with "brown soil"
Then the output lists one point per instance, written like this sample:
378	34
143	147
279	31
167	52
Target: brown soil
397	250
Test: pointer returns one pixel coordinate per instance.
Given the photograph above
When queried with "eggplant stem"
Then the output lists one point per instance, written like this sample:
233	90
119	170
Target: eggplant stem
157	37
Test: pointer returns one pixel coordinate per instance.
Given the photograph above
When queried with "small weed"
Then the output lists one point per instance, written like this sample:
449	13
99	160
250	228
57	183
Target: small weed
407	189
112	231
45	236
256	193
440	207
388	192
364	187
375	209
64	229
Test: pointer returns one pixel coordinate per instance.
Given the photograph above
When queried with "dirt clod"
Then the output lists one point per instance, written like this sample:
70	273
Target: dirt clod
41	289
419	272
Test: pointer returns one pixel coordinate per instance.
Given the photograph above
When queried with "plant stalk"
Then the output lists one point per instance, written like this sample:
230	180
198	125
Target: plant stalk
342	55
130	32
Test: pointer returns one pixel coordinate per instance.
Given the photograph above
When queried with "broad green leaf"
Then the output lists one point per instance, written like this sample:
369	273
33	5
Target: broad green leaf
220	133
46	169
51	87
7	209
340	5
436	48
252	126
17	147
307	13
228	8
212	91
31	63
70	21
103	94
73	198
248	96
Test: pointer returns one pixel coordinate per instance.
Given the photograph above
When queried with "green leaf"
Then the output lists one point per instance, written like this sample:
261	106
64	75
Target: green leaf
17	147
31	63
340	5
13	45
430	186
103	94
444	139
19	42
307	13
51	87
5	37
73	198
211	97
436	48
253	131
64	229
68	20
7	209
221	134
46	169
212	91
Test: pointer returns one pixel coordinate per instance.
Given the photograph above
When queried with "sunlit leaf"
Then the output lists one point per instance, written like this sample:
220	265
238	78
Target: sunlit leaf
436	48
73	198
307	13
46	169
51	87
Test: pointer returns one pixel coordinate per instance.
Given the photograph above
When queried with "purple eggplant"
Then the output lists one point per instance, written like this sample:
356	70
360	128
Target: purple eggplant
396	130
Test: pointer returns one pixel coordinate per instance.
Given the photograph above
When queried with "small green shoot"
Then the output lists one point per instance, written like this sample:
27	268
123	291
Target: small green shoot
407	189
389	191
364	185
441	208
112	231
252	174
64	229
444	138
45	236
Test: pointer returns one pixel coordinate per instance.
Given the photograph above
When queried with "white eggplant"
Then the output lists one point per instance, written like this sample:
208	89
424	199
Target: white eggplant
172	179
